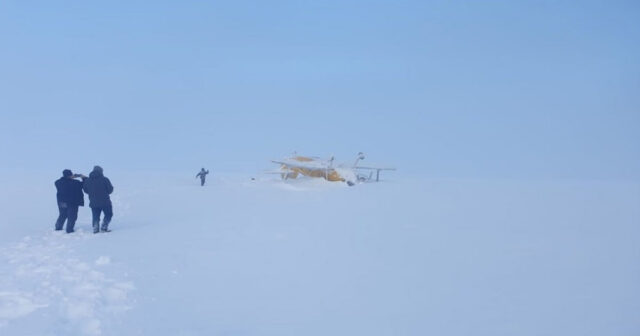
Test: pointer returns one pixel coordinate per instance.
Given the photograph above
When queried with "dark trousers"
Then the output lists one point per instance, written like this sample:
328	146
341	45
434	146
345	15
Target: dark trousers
202	181
108	213
68	213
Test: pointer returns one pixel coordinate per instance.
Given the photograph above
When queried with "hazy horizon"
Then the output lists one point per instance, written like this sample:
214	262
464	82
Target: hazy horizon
528	89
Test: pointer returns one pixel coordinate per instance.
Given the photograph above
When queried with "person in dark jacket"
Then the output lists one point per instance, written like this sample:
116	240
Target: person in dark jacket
69	196
98	187
203	176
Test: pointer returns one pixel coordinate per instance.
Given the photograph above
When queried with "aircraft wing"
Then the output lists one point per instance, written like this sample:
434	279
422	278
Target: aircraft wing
377	169
373	168
301	165
287	164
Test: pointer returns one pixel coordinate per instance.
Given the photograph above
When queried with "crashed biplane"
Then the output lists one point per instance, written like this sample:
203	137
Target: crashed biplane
311	166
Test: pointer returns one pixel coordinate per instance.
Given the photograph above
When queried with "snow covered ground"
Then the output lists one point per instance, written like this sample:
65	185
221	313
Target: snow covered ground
407	256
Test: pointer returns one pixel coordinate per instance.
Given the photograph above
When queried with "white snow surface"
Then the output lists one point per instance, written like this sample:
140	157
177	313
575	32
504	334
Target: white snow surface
407	256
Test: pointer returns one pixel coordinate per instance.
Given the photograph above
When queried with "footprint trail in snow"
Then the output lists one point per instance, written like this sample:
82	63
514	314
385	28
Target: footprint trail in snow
42	278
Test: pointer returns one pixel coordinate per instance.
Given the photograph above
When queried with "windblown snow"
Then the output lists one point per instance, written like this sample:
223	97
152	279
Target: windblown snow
309	257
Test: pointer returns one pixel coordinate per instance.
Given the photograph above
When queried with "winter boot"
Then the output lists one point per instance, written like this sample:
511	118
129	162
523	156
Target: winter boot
105	228
96	227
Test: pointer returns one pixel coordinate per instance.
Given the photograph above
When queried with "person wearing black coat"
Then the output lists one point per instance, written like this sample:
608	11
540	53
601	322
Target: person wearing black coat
203	176
69	196
98	187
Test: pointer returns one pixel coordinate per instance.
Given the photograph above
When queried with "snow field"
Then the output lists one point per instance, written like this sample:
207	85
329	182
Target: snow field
308	257
48	279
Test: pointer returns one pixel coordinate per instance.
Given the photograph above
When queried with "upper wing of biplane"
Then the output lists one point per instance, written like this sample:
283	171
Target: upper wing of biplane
311	165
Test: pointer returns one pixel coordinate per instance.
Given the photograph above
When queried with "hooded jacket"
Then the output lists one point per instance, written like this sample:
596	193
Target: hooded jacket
202	174
69	191
98	187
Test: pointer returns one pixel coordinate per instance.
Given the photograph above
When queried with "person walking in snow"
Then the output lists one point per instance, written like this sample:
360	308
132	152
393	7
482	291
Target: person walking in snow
98	187
69	196
203	176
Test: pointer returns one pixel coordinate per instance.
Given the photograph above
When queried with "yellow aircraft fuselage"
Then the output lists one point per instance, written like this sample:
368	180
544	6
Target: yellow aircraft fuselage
328	174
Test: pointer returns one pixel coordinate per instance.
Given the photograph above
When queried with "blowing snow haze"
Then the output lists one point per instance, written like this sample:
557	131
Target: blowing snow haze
515	128
451	89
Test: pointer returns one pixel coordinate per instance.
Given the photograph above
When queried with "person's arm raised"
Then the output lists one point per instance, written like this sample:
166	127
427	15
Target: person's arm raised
109	187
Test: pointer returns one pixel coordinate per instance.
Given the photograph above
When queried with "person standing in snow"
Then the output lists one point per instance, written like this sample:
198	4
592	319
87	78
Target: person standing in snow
98	187
69	196
203	176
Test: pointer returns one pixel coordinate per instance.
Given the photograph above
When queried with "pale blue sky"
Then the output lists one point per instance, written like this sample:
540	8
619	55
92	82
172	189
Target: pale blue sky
482	89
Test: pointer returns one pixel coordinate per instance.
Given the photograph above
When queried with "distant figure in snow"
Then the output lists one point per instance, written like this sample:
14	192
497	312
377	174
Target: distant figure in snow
69	196
203	176
98	187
